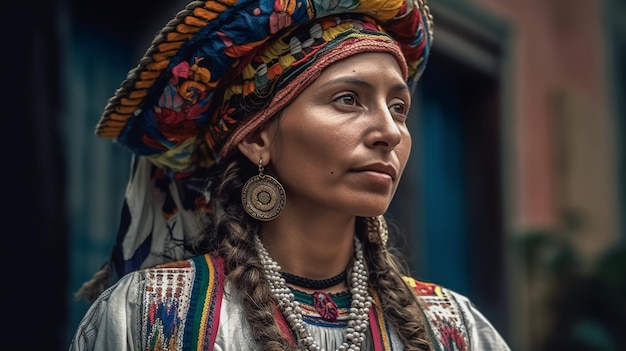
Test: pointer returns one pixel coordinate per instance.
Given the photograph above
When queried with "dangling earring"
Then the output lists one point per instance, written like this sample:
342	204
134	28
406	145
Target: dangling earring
377	231
263	197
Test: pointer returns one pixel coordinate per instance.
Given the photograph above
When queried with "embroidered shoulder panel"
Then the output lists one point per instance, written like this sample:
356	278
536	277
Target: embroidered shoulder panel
445	317
180	300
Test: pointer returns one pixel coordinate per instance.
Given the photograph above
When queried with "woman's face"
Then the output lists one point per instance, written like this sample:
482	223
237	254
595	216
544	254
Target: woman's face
343	143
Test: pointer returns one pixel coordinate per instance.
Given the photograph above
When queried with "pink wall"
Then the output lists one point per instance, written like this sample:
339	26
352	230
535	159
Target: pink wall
558	47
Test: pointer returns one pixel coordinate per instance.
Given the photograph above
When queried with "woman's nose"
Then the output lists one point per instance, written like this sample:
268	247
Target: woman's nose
386	132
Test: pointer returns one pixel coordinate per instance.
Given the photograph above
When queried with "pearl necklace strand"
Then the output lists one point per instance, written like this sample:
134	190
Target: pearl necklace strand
358	318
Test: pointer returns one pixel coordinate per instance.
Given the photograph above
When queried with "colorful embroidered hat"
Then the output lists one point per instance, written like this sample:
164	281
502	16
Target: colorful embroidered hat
181	96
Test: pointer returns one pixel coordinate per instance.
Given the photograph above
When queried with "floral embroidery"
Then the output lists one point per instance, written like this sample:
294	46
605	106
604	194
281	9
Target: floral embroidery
444	316
325	306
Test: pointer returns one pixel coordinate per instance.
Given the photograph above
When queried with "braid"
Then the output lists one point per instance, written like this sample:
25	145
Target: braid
399	304
234	242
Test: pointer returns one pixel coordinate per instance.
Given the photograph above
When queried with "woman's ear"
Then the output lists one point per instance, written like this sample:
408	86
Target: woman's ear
256	145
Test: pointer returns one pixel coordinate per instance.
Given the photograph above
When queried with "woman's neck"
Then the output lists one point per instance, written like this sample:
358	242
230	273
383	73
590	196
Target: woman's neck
313	248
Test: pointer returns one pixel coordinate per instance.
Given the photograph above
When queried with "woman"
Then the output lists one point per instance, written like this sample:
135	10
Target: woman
270	139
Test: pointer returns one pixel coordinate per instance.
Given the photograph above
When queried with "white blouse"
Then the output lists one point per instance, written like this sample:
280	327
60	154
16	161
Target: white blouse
114	320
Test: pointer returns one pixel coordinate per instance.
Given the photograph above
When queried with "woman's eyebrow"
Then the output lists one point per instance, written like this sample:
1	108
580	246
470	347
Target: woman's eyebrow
361	83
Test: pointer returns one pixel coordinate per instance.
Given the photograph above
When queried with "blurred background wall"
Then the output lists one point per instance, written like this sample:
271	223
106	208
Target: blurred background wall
514	196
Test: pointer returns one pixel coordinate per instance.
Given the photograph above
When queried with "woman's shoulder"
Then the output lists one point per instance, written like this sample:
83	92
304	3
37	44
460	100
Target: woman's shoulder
141	303
454	319
196	267
422	288
169	280
180	281
202	261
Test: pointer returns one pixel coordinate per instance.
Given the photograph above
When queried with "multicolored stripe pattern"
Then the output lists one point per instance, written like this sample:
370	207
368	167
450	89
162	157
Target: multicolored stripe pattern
378	325
182	302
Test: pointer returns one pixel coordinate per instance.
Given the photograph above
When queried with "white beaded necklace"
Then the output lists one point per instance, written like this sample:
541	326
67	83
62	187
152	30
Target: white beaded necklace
358	318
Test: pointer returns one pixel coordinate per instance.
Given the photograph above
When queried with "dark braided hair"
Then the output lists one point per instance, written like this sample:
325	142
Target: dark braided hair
232	238
399	304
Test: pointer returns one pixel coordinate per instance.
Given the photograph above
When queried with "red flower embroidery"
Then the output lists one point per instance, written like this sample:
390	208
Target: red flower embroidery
325	306
181	70
451	338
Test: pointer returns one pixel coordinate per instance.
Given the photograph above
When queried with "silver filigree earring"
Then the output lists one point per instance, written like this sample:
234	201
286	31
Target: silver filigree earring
263	197
377	231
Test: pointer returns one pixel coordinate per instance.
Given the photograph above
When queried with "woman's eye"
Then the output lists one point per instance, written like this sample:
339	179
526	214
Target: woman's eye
400	109
346	99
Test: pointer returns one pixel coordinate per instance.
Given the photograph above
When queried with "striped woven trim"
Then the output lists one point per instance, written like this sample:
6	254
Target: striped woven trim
284	327
379	329
205	304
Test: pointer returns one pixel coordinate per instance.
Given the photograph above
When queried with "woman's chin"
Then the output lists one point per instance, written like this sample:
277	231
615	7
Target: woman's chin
373	211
